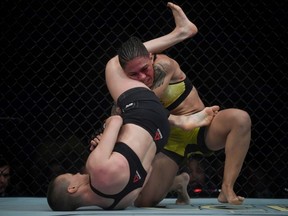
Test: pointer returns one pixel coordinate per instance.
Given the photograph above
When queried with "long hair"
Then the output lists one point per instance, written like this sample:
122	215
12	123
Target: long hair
131	49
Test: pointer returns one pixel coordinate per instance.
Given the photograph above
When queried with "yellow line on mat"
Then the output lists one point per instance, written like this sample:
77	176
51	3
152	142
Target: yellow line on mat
279	208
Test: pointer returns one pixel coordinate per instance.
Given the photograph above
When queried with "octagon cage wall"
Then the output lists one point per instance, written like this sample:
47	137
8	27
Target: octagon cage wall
53	93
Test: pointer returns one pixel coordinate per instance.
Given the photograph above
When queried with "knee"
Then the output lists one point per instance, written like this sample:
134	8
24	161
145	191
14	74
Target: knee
243	120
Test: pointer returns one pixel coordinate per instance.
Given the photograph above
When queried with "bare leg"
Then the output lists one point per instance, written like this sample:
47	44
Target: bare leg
230	129
180	186
236	148
184	29
162	176
200	119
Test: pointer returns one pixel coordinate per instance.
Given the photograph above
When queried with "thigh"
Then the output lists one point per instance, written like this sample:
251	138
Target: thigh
161	179
217	132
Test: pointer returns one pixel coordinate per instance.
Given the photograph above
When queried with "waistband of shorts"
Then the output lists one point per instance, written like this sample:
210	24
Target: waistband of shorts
137	93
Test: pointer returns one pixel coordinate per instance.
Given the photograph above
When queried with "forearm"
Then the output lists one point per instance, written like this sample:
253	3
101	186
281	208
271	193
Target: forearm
109	137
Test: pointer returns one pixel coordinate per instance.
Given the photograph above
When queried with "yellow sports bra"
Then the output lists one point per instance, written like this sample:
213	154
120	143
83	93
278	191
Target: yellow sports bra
176	93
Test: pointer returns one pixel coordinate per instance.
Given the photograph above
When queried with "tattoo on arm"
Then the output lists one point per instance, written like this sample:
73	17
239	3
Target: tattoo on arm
159	76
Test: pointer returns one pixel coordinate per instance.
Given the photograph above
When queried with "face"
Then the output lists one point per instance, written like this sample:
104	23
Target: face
141	69
75	177
4	178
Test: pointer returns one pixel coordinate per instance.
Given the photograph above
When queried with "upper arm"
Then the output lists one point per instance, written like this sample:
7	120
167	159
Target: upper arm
164	71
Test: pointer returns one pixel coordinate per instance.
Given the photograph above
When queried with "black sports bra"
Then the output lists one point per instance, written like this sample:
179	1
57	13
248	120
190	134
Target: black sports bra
137	175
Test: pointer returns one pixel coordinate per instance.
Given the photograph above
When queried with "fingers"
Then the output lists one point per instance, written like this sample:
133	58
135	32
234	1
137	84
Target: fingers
94	142
95	138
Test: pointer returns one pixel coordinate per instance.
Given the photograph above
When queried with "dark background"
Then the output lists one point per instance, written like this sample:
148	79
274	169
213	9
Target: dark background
53	93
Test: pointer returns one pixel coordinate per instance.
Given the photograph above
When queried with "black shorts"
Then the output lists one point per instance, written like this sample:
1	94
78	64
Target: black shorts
140	106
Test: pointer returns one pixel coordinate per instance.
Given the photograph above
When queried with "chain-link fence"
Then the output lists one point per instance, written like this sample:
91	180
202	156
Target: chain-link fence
53	92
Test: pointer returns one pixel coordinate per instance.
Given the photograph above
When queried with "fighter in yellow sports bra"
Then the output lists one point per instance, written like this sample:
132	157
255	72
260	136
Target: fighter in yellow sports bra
182	143
176	93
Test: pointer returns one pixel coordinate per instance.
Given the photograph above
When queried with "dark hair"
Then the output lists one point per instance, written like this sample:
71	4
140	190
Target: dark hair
131	49
58	198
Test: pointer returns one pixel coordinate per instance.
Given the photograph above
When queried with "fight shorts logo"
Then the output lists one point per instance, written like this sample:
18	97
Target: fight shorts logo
137	177
158	135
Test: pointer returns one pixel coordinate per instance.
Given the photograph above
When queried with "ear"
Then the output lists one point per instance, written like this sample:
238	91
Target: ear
72	189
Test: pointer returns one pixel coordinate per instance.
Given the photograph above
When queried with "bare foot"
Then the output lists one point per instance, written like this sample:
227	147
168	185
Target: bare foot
230	197
184	27
200	119
181	182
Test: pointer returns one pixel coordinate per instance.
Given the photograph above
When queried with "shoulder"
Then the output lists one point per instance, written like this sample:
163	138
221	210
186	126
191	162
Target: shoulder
165	61
110	173
166	64
162	58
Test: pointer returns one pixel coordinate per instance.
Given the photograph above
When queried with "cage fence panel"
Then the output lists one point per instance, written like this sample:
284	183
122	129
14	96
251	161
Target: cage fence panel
53	93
